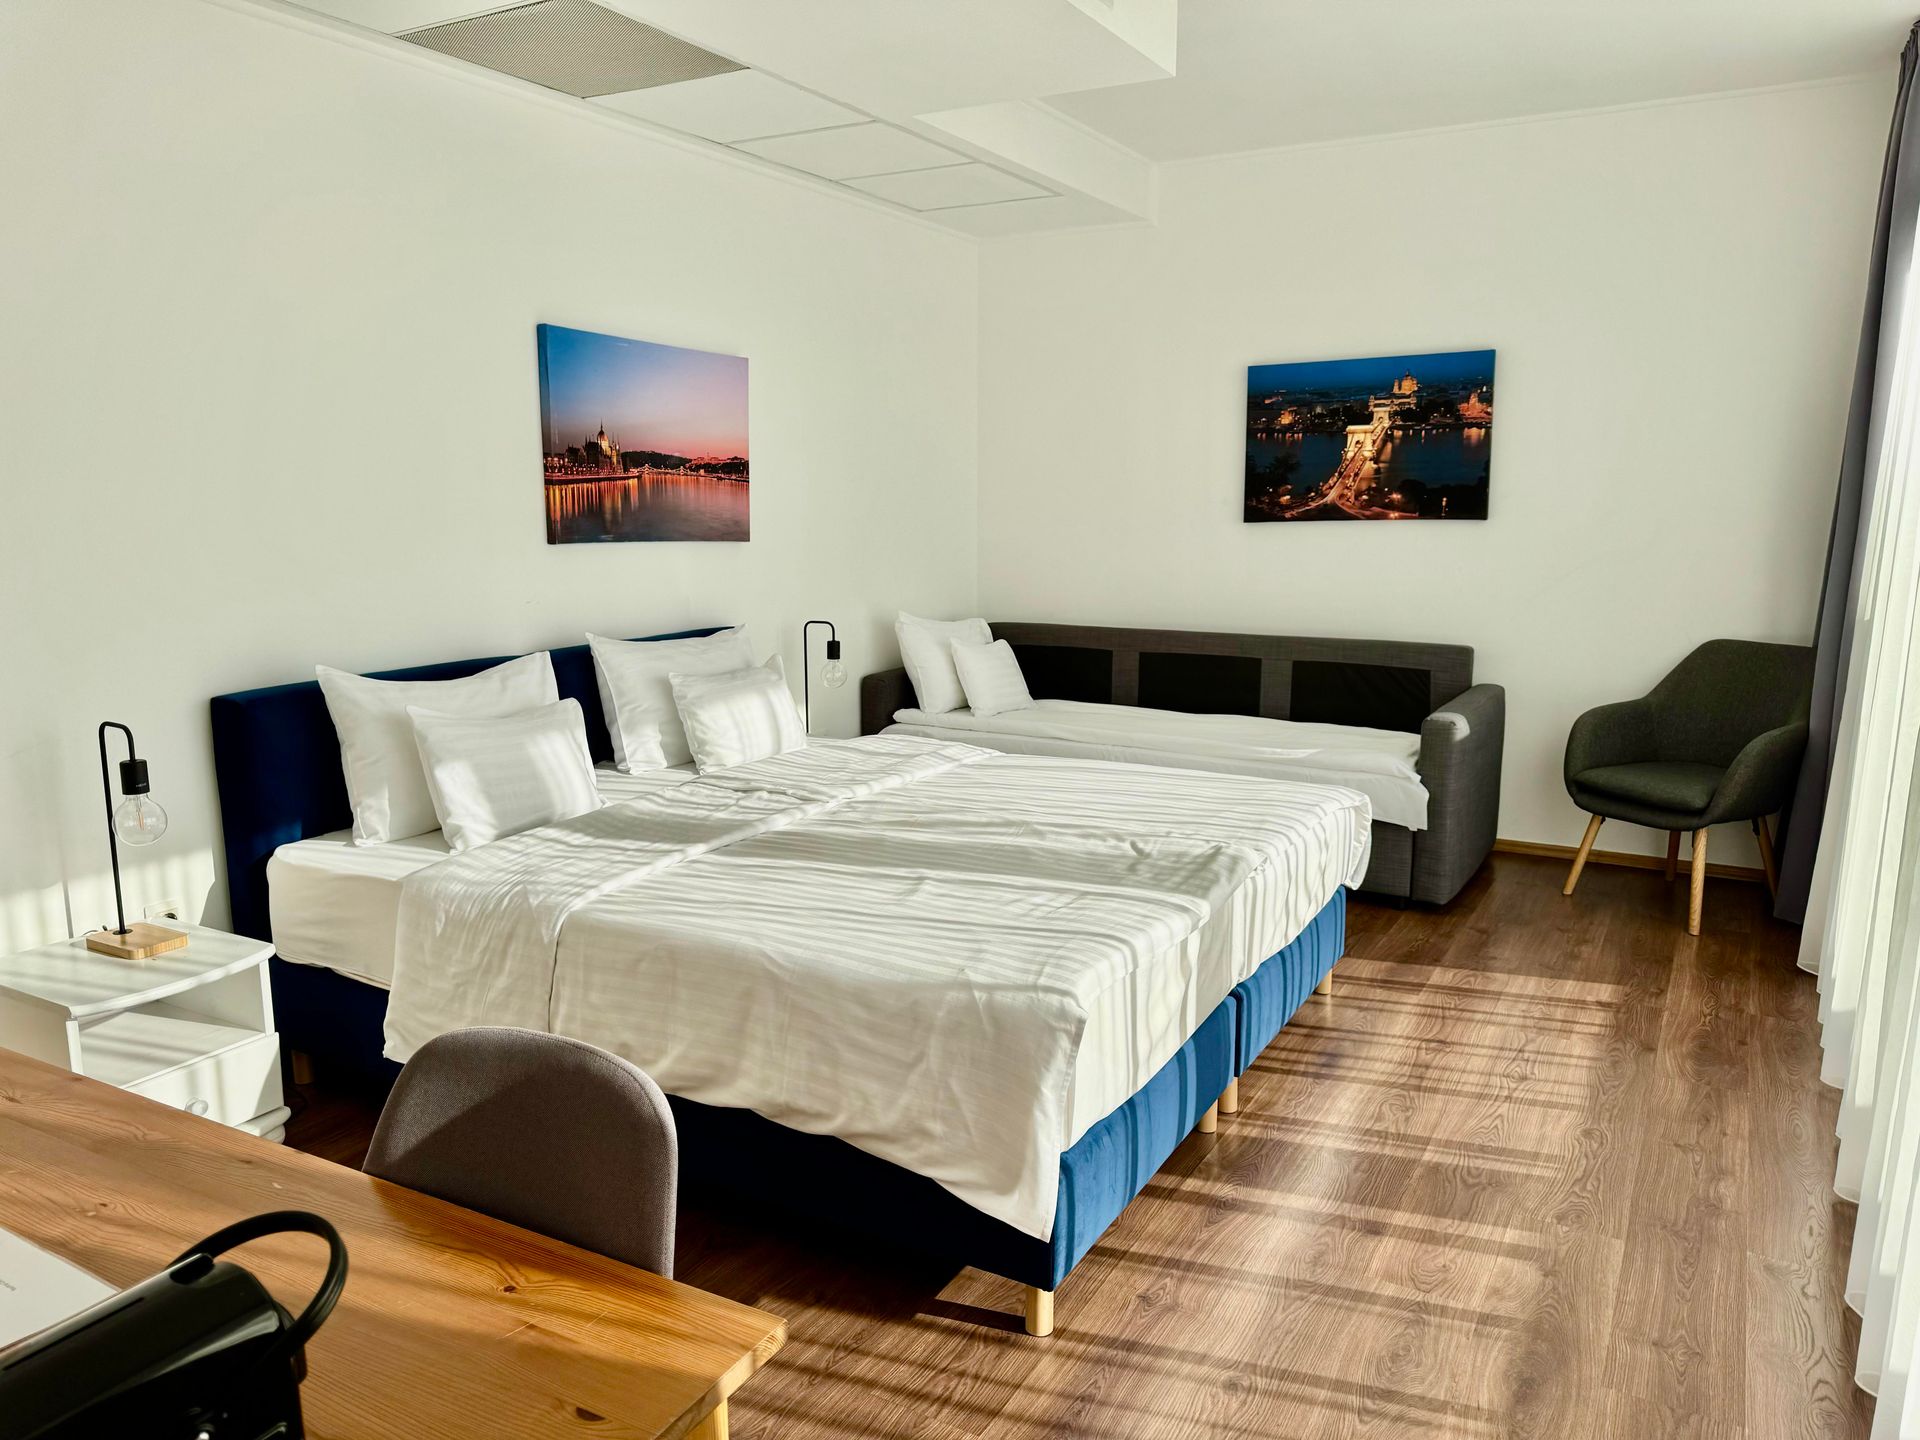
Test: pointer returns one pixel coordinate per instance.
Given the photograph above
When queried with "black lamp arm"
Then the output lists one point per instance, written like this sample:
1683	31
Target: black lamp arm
806	664
133	780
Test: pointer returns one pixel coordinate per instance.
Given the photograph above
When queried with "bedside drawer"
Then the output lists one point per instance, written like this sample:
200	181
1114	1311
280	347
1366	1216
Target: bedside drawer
186	1060
230	1086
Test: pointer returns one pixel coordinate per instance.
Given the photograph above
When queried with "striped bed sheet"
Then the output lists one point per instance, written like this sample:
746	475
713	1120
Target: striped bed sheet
954	959
1382	764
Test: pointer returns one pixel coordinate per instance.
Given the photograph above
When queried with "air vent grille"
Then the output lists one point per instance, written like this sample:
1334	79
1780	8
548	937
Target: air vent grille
573	46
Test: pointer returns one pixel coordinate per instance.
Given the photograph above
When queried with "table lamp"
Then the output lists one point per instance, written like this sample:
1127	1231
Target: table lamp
832	675
138	820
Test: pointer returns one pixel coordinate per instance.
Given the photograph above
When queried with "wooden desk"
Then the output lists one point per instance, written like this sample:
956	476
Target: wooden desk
452	1324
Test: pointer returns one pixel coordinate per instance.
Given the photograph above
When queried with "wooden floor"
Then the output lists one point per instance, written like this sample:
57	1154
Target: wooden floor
1540	1167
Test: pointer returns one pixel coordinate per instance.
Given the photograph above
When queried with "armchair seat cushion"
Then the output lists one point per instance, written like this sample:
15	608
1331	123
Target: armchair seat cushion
1680	786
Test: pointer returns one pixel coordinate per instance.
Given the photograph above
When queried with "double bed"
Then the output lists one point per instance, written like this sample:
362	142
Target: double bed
952	998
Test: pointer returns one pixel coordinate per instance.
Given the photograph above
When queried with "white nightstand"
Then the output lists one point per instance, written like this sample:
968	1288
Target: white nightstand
192	1028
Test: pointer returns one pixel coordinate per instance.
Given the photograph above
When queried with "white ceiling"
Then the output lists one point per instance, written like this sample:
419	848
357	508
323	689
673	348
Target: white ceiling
1254	74
1000	116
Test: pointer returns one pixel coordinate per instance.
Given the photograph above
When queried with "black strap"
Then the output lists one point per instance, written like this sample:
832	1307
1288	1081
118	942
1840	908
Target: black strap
277	1222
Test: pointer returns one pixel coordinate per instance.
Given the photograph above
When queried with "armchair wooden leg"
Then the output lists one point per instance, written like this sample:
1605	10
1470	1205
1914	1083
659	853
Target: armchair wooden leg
1580	859
1699	880
1673	853
1767	863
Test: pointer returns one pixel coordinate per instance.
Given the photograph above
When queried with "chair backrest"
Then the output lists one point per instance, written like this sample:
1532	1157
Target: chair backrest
1727	692
541	1131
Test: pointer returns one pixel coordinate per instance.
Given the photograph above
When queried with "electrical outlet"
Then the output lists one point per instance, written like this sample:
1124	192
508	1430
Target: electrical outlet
163	910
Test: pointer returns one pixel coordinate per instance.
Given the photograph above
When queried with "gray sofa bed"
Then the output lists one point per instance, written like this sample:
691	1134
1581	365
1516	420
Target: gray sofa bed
1426	690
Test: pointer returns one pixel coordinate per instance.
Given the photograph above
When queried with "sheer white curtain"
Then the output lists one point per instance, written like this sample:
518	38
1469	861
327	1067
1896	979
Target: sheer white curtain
1863	920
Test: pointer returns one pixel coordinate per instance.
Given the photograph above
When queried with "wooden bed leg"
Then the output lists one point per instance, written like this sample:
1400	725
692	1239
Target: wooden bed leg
1210	1122
1230	1097
1039	1311
1580	856
301	1064
713	1427
1325	987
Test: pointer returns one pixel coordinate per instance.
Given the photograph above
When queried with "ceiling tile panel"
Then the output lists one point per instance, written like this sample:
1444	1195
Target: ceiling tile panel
740	105
853	150
953	186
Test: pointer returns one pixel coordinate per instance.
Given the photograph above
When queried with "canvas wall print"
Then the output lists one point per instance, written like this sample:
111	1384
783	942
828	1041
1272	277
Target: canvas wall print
1397	437
642	441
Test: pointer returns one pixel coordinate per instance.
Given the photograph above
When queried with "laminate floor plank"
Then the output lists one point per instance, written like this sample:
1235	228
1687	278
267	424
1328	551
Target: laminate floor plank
1680	1316
1541	1166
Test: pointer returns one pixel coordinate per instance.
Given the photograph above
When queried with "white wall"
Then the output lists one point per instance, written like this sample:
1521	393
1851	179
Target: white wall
269	395
1674	293
270	398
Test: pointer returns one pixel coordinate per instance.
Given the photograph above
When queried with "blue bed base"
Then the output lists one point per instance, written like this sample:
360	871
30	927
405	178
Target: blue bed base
1265	1002
278	766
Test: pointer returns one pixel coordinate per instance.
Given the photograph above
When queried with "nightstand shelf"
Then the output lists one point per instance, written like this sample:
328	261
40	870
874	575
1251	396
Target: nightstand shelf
192	1028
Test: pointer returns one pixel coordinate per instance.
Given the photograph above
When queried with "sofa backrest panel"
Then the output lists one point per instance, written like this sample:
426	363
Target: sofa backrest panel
1386	684
1067	672
1351	692
1199	684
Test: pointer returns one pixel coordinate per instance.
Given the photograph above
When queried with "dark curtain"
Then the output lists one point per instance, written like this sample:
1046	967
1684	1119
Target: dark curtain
1887	285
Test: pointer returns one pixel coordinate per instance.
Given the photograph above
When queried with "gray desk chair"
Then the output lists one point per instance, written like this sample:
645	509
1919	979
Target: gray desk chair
1718	740
541	1131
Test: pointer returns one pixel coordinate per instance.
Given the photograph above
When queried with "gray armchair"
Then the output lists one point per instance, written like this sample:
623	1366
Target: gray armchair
1718	740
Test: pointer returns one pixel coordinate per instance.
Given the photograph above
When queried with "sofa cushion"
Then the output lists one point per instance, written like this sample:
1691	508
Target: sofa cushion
1677	785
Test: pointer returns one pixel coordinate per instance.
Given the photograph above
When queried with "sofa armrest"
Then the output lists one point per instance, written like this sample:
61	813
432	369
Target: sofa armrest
882	693
1461	745
1761	778
1617	734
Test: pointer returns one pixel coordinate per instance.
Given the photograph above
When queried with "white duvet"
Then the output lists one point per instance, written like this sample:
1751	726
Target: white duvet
1381	764
953	959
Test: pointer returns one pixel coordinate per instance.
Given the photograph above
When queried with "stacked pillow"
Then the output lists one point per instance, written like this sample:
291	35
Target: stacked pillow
492	754
926	649
496	776
738	716
385	780
636	691
955	663
990	674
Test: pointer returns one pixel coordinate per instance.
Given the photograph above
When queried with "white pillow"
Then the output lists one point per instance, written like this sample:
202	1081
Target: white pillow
494	776
739	717
642	722
990	674
385	783
926	649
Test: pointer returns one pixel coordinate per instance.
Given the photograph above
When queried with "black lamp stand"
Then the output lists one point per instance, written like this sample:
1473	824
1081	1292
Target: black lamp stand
806	664
139	941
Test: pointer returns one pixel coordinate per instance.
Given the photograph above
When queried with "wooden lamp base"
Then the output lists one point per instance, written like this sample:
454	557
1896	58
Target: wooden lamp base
141	941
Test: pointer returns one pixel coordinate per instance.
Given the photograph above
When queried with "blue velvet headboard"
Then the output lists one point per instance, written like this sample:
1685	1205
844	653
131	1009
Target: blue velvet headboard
276	760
